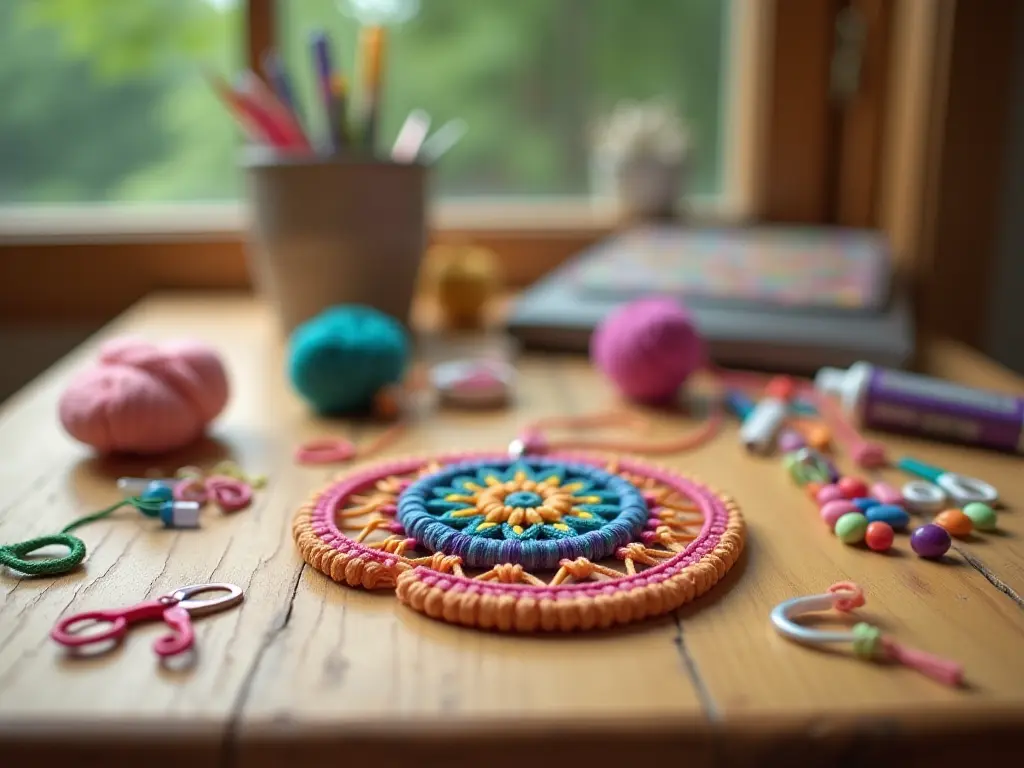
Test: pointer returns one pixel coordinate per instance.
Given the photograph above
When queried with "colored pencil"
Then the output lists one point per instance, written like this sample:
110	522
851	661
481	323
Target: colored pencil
324	73
372	40
410	137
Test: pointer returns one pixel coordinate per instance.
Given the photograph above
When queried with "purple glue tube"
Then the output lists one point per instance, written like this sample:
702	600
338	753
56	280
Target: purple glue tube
913	404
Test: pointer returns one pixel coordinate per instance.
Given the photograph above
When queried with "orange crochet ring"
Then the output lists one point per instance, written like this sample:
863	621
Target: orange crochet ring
658	539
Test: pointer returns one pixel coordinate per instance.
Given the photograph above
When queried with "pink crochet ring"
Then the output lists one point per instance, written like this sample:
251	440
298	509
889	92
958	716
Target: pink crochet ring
686	538
145	398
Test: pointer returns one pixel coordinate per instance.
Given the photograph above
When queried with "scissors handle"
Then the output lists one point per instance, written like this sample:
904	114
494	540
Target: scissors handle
118	620
181	636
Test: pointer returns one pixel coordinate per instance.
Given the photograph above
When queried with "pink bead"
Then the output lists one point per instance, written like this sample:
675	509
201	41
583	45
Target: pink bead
829	493
833	510
853	487
886	493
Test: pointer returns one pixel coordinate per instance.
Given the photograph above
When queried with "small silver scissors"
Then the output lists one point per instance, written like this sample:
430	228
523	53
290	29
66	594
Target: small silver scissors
961	488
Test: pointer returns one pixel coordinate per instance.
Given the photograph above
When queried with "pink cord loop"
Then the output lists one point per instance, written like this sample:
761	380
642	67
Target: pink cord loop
229	494
848	596
192	488
327	450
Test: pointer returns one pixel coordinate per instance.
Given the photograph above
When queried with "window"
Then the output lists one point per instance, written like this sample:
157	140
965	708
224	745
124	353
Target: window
104	100
530	77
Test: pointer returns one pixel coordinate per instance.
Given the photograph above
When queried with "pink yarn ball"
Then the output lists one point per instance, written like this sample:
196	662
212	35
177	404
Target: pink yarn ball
145	398
648	348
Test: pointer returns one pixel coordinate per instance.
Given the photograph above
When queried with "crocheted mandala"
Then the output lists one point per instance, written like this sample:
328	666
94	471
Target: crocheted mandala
517	544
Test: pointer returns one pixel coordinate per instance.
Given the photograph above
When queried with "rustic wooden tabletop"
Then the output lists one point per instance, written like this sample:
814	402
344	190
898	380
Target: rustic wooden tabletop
306	669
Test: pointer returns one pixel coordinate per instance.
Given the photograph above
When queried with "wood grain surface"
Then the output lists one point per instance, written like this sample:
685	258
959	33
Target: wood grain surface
308	670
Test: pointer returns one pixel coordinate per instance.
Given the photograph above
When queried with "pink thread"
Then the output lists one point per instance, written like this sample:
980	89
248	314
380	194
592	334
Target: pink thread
867	454
145	398
939	669
648	348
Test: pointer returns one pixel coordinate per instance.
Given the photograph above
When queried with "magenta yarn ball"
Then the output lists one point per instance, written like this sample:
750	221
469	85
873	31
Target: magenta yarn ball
145	398
648	348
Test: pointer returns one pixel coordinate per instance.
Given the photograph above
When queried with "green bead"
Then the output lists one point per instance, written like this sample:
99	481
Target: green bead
851	527
982	515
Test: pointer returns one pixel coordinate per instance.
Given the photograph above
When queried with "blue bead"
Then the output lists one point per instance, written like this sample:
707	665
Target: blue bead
895	516
157	491
865	503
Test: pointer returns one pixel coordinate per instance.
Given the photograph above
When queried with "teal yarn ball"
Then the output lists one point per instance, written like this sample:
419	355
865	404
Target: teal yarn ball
340	359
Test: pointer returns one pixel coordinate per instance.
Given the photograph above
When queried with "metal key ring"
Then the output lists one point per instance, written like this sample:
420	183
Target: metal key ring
211	605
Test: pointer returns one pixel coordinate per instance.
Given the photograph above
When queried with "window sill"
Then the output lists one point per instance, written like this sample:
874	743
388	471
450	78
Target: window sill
185	222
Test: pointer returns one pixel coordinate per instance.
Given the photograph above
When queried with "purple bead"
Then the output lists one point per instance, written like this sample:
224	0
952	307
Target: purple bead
790	441
930	541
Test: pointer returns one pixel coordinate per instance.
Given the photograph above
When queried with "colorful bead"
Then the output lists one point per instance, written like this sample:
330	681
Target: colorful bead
789	441
864	503
981	515
833	510
886	493
956	522
157	491
853	487
830	492
890	514
930	541
878	536
813	489
851	528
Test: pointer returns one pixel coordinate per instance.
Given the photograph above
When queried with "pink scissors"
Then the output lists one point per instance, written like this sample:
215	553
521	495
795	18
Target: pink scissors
175	610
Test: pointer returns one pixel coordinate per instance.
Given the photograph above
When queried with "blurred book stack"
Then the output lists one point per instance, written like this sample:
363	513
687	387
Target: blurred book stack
783	298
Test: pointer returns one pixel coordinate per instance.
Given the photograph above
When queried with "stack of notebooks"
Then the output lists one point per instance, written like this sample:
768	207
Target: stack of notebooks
779	298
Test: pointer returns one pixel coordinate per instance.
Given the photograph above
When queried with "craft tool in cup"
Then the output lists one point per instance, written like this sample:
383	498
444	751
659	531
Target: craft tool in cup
339	96
446	137
411	137
275	71
253	88
258	123
324	70
372	43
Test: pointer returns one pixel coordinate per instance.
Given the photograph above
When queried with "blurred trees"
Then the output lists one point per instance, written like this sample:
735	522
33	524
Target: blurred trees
104	99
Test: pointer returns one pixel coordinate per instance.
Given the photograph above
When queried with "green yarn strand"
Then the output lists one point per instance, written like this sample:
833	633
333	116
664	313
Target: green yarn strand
14	556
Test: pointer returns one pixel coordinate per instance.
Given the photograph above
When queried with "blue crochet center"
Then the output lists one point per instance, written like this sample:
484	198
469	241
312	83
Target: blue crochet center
527	499
436	512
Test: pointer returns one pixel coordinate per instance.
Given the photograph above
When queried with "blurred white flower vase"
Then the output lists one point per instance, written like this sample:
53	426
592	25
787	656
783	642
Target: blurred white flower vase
642	160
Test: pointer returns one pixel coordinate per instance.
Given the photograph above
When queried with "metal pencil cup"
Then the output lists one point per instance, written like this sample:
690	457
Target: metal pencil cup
328	231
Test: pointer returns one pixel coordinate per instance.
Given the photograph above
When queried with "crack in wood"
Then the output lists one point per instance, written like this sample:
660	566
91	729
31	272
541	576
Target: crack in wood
707	701
231	732
992	579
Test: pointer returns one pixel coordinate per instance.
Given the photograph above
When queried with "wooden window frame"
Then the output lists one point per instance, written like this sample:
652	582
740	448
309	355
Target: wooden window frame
795	156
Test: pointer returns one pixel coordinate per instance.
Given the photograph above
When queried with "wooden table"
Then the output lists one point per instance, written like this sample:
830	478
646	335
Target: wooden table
306	670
